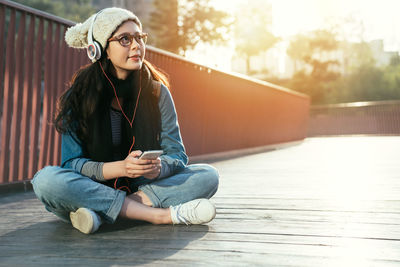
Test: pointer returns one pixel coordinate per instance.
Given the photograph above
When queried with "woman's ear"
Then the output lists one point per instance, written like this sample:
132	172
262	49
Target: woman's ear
106	52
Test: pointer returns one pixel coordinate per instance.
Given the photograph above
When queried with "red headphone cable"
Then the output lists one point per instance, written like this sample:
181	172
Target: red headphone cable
126	188
119	104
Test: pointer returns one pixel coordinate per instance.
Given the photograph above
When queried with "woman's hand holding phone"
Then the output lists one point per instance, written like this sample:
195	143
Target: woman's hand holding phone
146	164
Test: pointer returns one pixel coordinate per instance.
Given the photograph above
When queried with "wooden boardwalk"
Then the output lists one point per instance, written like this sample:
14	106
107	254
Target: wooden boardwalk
326	202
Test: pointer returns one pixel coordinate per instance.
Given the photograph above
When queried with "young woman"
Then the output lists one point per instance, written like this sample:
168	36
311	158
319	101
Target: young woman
117	108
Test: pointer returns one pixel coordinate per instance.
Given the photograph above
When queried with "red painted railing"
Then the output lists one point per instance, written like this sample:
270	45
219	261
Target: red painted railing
376	118
217	111
34	67
220	111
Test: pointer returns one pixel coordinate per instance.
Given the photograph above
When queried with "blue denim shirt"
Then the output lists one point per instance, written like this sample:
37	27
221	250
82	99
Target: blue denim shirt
174	158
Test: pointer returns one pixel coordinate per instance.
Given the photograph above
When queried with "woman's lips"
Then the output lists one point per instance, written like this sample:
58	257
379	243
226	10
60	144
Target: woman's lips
135	58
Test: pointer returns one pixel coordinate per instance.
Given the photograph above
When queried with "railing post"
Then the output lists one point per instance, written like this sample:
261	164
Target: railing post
16	114
23	156
36	101
7	101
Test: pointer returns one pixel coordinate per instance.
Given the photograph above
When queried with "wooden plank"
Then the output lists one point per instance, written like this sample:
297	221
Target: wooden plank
238	252
371	206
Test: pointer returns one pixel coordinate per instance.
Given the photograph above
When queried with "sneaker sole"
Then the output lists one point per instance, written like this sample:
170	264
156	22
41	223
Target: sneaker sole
82	220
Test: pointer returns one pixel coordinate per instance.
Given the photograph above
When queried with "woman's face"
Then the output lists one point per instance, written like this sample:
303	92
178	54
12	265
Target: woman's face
126	58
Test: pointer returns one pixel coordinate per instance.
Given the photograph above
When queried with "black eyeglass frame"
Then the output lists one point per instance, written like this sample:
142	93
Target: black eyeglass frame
140	38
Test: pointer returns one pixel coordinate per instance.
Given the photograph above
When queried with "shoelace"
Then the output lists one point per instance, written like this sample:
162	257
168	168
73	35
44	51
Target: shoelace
190	215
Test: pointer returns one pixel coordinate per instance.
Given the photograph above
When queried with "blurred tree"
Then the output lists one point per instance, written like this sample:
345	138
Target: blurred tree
164	24
181	25
252	30
78	10
359	55
319	64
392	79
298	50
75	10
368	83
395	60
365	84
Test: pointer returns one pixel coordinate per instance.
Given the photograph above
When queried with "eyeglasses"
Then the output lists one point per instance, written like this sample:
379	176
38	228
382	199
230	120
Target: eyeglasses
126	39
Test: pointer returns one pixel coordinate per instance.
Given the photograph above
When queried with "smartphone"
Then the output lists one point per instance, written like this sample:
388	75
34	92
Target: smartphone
151	154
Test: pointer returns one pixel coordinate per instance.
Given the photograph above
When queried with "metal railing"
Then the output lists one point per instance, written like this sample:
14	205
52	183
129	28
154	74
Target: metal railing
374	118
34	67
217	111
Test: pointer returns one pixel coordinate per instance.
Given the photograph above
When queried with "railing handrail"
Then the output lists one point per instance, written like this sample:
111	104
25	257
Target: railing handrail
356	104
36	12
230	73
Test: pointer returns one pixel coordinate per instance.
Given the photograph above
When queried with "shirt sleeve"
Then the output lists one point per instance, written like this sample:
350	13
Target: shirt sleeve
93	170
174	158
72	156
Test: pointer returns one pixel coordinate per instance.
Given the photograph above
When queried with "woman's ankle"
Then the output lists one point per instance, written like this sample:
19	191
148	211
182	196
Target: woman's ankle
163	217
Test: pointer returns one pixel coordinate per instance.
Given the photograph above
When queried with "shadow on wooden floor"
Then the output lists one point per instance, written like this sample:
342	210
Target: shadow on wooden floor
53	242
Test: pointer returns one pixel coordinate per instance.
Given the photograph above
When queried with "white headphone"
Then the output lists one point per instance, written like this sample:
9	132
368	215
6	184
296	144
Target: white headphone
94	48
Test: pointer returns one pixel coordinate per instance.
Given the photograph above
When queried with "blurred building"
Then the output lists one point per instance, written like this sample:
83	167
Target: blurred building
382	57
276	63
272	63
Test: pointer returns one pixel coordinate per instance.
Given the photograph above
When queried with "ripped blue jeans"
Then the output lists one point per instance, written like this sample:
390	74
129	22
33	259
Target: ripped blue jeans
64	190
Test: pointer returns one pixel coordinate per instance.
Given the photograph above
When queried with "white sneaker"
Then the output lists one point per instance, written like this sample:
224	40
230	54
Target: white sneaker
85	220
197	211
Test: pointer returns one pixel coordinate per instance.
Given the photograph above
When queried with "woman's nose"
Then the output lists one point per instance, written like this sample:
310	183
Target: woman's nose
134	44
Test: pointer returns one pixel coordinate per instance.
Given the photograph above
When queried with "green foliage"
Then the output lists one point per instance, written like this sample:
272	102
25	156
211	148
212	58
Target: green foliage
318	75
359	55
75	10
362	81
368	83
179	26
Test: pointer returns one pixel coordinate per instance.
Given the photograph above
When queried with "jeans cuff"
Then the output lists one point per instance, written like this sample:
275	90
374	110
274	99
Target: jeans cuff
116	206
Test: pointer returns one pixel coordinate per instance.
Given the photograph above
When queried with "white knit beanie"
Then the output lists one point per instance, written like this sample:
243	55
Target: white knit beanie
107	21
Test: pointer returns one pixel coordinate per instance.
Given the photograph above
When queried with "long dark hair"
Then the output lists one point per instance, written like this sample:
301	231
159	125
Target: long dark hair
88	92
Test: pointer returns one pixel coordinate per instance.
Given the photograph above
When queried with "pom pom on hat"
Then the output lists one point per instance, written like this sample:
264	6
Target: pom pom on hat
76	36
107	21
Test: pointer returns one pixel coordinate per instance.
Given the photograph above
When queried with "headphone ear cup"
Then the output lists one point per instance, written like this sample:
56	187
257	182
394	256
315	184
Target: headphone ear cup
98	50
94	51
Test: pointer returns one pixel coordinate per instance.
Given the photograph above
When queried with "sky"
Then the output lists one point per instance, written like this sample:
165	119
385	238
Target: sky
380	17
